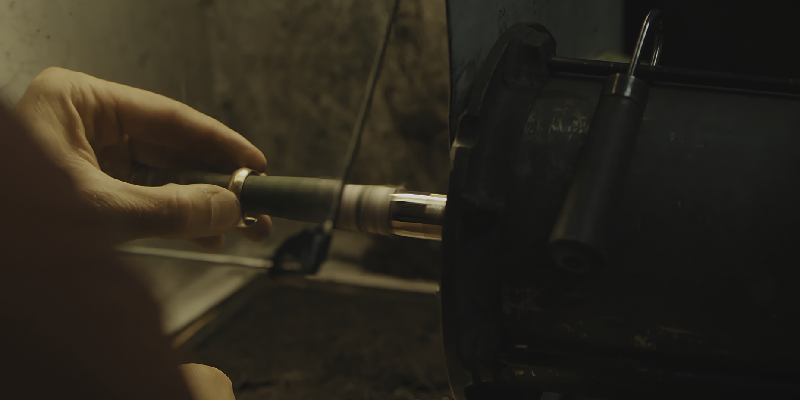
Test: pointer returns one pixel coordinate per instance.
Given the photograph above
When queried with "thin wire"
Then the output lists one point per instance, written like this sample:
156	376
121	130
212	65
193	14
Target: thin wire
363	113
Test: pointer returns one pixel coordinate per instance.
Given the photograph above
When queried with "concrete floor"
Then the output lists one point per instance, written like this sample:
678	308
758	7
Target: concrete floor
188	281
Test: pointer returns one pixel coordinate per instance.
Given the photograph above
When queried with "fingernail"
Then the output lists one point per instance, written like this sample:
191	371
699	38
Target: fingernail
224	210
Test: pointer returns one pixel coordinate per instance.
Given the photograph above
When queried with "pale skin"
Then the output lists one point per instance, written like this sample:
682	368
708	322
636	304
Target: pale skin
101	133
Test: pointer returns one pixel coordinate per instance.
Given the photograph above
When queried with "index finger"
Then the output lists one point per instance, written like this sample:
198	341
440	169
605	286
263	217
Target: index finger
153	119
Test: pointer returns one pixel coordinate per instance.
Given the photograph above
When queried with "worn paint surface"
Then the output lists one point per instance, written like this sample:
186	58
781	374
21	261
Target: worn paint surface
706	215
702	274
582	29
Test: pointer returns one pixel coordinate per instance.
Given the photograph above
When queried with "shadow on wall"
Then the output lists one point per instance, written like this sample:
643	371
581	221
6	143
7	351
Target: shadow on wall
290	75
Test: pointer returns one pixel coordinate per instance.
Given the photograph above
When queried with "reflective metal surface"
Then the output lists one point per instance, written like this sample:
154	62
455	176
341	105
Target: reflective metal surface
366	209
653	17
418	215
235	185
626	86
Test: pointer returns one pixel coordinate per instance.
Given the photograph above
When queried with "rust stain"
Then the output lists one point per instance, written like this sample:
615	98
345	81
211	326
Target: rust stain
554	127
643	343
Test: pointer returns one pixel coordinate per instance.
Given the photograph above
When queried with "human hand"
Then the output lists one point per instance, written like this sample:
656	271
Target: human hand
103	133
207	383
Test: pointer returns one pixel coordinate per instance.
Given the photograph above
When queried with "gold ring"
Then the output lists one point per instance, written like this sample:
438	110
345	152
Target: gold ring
235	185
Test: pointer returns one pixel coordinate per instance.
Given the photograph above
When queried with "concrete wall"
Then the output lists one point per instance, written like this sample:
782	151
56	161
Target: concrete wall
155	45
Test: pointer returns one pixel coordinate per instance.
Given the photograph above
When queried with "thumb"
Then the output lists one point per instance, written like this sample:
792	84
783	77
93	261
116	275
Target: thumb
207	383
181	211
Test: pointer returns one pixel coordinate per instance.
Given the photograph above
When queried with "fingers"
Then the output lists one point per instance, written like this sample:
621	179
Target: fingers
162	157
157	120
179	211
113	127
207	383
201	213
109	111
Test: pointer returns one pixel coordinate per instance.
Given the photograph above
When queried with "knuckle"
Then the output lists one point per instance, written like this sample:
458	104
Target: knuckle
51	72
219	376
60	80
52	81
53	75
208	374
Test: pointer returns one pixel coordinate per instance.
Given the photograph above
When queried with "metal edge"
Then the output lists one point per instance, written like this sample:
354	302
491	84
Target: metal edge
460	377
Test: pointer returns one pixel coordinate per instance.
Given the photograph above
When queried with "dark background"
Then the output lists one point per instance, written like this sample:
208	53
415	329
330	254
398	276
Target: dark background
726	36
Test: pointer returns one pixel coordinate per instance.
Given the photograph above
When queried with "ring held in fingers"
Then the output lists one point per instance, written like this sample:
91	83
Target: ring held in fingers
235	185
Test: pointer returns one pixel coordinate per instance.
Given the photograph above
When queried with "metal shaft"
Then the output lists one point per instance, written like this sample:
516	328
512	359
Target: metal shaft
382	210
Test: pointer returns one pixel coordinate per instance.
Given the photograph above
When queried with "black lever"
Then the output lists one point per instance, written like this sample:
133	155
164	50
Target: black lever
582	232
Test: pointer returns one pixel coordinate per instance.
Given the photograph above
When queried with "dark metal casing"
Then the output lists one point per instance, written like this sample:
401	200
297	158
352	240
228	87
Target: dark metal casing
471	293
698	297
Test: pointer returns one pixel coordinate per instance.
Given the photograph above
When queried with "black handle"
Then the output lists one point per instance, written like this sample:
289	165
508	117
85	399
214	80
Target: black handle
580	239
581	234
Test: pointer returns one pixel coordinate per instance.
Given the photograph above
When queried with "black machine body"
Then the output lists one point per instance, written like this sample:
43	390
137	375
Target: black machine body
696	294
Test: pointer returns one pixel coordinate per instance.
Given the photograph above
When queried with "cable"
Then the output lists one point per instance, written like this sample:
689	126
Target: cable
363	113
